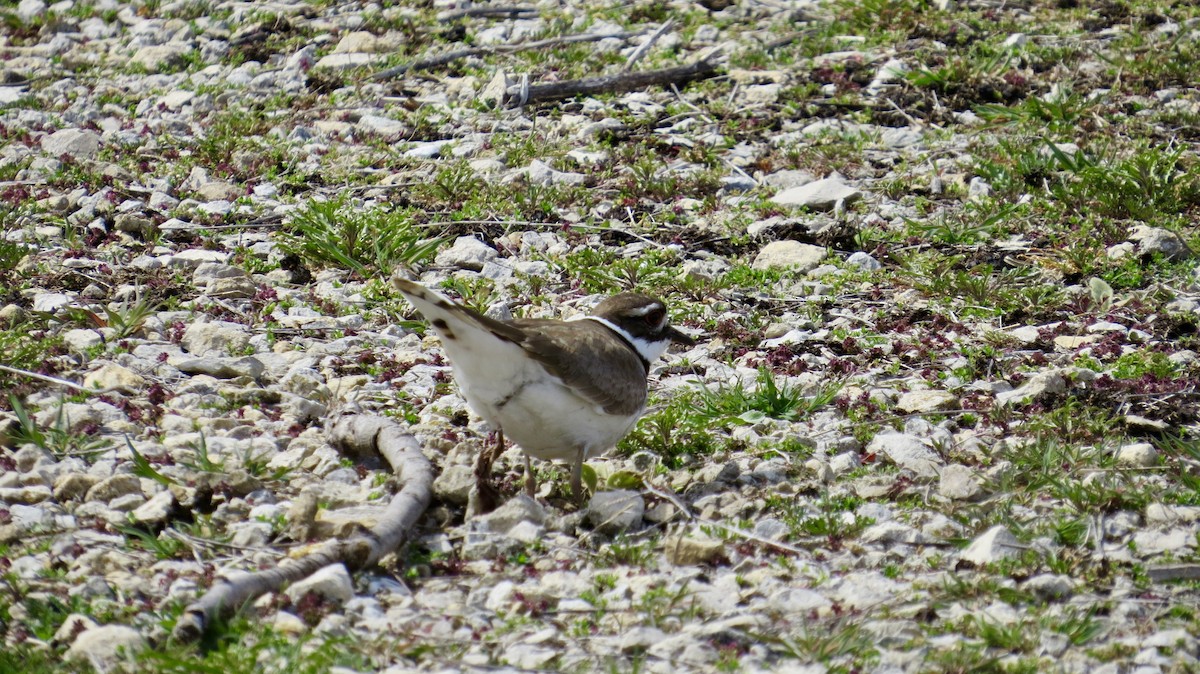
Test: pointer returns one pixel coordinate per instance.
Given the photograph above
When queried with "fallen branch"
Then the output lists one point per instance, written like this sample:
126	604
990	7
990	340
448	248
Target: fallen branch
358	435
488	12
645	46
700	69
49	380
451	56
1163	573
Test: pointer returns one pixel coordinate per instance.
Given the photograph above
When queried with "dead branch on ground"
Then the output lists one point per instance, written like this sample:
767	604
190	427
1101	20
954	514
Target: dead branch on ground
449	57
357	434
700	69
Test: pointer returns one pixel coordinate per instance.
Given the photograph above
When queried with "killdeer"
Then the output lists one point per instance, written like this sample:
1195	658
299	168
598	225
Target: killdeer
564	390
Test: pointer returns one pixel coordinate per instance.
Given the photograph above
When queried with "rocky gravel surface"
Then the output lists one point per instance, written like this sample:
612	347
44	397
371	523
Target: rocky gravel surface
938	256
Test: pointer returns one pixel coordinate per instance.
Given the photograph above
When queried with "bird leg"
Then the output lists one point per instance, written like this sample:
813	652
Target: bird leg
530	480
489	496
577	479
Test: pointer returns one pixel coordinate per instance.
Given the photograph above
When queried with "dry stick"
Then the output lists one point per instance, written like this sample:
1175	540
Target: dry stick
613	84
448	57
48	379
645	46
510	12
356	434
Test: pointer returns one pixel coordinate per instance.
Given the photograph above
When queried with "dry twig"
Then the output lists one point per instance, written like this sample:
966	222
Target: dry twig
645	46
449	57
700	69
357	434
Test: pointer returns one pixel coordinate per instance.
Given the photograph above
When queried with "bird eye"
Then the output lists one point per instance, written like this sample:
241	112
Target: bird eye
655	317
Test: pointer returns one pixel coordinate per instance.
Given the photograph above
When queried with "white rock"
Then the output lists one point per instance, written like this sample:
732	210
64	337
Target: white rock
1050	586
1137	455
51	302
156	510
687	550
863	261
428	150
115	486
518	509
75	624
908	452
359	41
156	58
1158	240
1177	639
113	376
762	94
454	484
529	657
500	597
801	257
991	546
615	511
194	257
345	62
378	125
331	582
219	338
176	99
1040	384
1160	513
959	483
221	367
104	648
75	143
467	252
527	532
820	195
893	70
844	463
978	189
538	173
1015	41
29	10
81	339
1172	540
915	402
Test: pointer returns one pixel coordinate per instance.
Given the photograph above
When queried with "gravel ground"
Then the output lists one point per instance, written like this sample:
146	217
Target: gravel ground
939	259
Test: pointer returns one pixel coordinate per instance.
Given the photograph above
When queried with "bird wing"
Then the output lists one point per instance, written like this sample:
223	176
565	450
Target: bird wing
585	355
589	358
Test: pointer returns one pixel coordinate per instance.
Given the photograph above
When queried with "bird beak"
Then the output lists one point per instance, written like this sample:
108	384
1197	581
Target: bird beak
678	337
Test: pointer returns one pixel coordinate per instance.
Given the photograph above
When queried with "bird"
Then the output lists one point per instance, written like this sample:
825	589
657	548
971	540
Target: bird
564	390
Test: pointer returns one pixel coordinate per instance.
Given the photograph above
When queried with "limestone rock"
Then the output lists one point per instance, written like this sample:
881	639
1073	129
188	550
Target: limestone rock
907	451
111	376
683	550
75	143
819	195
615	511
467	252
801	257
991	546
104	648
156	58
1137	455
110	488
915	402
959	483
331	582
